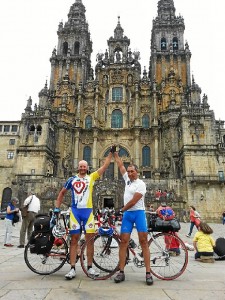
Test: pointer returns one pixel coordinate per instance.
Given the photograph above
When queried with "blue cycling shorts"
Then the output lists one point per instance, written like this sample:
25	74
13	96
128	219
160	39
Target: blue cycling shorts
84	217
136	217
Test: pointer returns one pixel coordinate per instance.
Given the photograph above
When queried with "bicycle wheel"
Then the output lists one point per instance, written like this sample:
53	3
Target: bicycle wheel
167	262
106	256
49	263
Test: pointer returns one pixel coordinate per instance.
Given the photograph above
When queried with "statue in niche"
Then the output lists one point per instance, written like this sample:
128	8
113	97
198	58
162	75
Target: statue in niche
130	58
106	54
91	74
130	79
66	164
166	161
64	98
118	56
105	79
172	95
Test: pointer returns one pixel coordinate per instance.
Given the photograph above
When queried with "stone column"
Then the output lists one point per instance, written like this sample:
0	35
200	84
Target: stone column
94	154
60	70
76	149
156	149
136	114
136	147
52	76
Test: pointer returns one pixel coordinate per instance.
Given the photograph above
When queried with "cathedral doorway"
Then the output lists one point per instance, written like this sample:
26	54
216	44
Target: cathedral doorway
108	202
6	197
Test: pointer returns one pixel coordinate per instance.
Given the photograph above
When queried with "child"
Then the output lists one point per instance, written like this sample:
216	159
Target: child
203	242
172	244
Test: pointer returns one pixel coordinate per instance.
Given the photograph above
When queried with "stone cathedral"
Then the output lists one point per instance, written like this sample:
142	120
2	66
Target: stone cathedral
157	116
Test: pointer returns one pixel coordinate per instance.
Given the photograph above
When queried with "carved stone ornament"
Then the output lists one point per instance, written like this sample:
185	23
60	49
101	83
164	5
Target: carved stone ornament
117	76
145	108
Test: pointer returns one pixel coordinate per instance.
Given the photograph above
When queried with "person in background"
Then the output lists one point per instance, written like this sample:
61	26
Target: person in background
33	203
11	209
223	216
184	215
193	215
203	242
158	194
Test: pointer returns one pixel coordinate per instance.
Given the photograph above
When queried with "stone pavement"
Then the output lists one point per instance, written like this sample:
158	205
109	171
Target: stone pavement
199	282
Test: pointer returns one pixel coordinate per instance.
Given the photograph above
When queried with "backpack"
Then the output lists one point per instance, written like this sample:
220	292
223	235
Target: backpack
166	213
16	218
220	248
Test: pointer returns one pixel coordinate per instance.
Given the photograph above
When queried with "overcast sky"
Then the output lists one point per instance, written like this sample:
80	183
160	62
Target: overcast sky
28	35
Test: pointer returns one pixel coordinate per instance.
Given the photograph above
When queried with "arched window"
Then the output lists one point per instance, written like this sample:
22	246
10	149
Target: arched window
145	121
175	43
117	94
32	129
6	197
224	139
88	122
117	119
76	48
146	156
65	48
163	44
122	152
39	129
87	154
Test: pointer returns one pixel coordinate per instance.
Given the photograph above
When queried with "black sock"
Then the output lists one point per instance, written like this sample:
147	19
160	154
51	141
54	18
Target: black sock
148	273
73	267
89	267
121	271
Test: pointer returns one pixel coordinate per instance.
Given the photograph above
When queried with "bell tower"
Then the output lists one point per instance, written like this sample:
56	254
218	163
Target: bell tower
170	56
72	58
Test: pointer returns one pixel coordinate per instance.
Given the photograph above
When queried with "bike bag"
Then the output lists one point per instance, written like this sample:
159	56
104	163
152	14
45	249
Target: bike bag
41	243
42	223
167	225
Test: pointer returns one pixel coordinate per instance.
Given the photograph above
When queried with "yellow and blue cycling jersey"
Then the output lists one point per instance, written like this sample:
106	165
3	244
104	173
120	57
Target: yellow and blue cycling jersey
81	190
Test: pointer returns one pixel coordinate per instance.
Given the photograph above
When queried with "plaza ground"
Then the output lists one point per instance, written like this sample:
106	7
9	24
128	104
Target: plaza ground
199	282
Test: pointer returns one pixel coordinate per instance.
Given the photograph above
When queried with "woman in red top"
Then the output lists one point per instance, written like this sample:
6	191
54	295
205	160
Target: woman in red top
194	217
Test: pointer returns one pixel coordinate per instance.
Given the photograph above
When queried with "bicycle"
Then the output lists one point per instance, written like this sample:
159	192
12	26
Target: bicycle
165	263
51	262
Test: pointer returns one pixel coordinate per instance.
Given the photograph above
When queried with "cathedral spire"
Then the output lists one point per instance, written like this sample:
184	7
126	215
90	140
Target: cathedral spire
72	58
118	32
167	40
166	9
118	44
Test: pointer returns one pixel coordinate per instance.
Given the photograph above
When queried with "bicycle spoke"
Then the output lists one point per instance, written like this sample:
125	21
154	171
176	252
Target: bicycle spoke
167	263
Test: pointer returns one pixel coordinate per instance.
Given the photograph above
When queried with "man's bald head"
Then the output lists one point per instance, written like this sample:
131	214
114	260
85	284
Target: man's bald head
82	167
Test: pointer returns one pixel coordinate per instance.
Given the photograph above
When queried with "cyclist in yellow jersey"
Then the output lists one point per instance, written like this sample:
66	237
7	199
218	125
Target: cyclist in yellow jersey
81	187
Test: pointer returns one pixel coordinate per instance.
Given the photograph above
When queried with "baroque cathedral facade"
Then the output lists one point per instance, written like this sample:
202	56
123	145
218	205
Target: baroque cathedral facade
157	116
